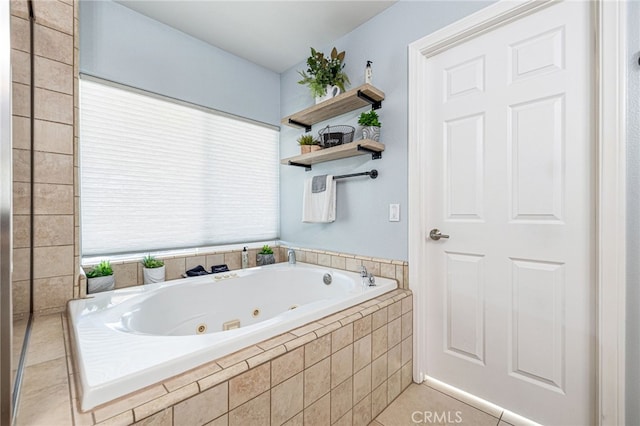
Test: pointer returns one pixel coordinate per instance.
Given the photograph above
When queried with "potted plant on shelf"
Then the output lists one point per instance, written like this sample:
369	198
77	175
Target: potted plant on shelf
325	76
265	256
308	144
153	270
370	125
100	278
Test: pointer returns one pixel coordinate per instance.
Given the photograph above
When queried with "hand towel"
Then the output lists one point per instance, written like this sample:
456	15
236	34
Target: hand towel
319	207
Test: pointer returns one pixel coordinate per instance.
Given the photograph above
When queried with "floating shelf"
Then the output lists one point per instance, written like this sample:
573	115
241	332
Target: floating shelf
352	149
343	103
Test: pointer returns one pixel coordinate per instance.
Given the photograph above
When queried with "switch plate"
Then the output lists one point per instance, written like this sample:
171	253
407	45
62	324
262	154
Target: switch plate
394	212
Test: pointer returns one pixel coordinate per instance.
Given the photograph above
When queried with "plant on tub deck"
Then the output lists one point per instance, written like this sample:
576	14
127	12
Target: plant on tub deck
308	144
265	256
100	278
153	270
370	125
325	74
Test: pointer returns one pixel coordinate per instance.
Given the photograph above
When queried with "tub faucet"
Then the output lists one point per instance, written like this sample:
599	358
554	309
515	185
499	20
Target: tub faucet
291	255
363	271
371	280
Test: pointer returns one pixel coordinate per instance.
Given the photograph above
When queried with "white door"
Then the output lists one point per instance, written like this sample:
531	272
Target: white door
509	178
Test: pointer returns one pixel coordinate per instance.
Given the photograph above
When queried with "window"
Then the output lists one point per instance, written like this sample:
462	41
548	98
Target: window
159	174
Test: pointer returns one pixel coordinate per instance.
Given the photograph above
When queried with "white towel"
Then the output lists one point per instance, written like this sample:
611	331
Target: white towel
319	207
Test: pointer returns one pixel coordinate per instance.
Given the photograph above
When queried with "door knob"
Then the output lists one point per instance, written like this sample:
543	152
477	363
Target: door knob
436	235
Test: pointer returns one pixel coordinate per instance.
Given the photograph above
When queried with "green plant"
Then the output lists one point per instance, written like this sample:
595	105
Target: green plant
369	119
266	249
151	262
322	72
307	140
102	269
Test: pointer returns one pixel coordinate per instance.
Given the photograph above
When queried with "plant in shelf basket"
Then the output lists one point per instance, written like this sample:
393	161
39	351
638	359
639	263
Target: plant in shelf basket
308	144
153	270
100	278
370	123
265	256
325	76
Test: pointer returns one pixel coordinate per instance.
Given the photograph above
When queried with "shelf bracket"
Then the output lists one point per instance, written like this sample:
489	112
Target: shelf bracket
374	104
307	167
375	155
307	127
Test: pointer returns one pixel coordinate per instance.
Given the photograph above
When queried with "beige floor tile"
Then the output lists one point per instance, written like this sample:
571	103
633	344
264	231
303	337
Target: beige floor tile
45	406
44	375
418	402
47	340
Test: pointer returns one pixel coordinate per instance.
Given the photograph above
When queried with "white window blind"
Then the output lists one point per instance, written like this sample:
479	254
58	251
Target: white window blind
159	175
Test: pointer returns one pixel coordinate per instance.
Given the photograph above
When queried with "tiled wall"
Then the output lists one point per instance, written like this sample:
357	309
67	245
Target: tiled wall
343	369
394	269
56	225
130	273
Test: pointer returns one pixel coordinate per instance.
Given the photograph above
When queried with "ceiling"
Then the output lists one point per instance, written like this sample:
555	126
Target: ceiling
274	34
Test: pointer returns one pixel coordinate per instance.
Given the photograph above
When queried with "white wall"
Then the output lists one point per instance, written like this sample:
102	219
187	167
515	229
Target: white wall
119	44
362	225
633	217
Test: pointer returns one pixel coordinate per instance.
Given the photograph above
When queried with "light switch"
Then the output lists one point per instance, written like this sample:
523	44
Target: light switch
394	212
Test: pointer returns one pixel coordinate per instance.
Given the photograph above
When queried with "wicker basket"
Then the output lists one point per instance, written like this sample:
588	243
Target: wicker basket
336	135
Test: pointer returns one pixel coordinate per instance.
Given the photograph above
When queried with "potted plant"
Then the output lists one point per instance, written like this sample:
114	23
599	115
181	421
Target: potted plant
370	125
153	270
325	76
265	256
100	278
308	144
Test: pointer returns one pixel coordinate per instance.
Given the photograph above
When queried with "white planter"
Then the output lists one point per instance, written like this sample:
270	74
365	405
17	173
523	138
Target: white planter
332	91
153	275
371	132
265	259
100	284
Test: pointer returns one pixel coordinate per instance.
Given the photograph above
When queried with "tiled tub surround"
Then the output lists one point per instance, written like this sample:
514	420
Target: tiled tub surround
342	369
129	273
160	324
56	225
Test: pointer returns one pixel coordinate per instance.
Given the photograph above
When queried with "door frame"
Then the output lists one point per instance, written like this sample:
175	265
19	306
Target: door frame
609	88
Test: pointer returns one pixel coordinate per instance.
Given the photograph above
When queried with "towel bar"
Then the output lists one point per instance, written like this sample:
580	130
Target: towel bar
372	174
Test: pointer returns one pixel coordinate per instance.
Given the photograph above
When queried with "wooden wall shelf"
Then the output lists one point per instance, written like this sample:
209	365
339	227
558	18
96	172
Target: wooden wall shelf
352	149
343	103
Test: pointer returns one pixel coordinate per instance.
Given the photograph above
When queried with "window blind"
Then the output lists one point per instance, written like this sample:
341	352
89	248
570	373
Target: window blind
159	175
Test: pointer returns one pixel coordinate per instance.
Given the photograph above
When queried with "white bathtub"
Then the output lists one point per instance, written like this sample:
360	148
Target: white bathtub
134	337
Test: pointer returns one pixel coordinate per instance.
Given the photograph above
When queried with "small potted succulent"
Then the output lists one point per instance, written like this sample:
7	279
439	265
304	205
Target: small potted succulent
308	144
325	76
370	125
100	278
152	270
265	256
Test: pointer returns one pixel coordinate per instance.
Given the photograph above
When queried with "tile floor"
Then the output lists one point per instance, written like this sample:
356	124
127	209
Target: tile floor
421	404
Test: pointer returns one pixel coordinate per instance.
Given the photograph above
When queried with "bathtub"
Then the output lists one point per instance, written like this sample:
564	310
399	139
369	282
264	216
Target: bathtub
130	338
